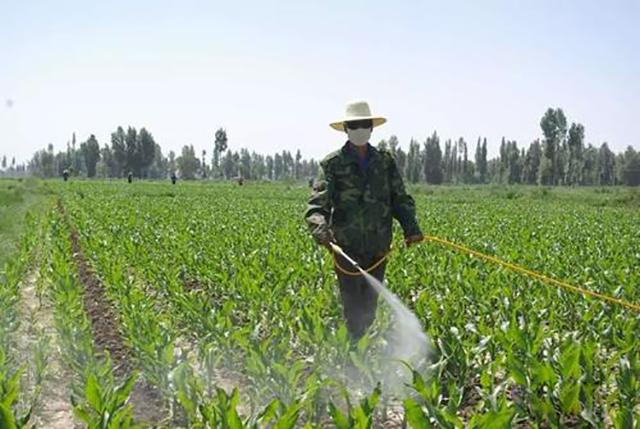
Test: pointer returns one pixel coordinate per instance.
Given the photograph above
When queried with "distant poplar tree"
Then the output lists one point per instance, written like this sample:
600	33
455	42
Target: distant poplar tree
433	160
631	169
119	150
575	144
413	162
219	146
188	163
91	154
554	128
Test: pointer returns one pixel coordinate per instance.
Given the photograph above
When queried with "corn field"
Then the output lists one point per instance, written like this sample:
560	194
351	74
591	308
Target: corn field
210	306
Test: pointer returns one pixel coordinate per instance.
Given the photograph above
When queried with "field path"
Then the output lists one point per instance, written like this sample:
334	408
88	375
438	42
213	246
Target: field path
53	409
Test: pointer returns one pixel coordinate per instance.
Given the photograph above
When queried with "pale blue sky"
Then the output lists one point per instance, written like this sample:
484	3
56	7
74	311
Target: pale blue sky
274	74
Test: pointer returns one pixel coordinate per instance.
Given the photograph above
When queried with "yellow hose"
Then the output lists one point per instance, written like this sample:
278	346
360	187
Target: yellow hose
514	267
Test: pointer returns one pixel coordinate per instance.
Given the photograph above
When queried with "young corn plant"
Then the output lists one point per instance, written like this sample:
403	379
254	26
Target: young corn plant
11	416
356	416
105	403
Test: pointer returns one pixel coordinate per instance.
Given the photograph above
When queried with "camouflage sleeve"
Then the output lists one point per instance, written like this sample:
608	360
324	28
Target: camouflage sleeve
319	209
403	206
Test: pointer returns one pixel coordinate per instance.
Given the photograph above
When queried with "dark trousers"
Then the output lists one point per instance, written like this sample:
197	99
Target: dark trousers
359	299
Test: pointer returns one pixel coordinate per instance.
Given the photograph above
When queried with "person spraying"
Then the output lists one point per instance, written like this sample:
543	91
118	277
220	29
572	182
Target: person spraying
358	193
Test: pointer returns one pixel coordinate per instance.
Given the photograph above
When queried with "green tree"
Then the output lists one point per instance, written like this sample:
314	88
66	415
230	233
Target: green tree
77	157
467	168
204	164
532	163
575	143
514	163
145	152
228	165
631	170
258	166
481	167
433	160
188	163
392	145
172	162
287	164
502	161
296	167
107	162
401	161
245	164
91	154
554	128
269	167
590	166
42	163
447	162
220	145
481	160
606	165
119	150
278	167
413	162
159	168
132	163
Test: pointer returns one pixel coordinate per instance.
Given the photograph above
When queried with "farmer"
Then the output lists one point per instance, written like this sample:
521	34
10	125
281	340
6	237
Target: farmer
174	178
358	192
130	177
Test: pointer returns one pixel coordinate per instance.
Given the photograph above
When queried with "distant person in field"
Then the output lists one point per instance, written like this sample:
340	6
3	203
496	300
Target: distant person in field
65	174
130	177
354	199
174	178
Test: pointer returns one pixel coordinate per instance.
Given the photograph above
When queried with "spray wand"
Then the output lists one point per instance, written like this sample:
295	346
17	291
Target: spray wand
337	249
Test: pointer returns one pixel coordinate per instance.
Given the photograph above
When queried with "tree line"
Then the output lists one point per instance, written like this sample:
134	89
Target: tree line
137	152
560	157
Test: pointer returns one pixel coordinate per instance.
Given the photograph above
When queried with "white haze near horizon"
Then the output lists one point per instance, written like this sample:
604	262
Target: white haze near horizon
274	74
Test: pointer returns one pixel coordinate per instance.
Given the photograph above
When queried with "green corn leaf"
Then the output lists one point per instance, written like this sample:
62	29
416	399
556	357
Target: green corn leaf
570	398
289	418
543	374
623	419
270	412
123	391
12	388
92	393
414	415
570	361
7	420
500	419
339	419
233	419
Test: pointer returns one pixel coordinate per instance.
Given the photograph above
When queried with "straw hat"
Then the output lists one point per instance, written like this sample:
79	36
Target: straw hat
357	111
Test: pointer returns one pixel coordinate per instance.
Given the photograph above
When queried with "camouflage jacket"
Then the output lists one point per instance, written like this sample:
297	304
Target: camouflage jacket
358	204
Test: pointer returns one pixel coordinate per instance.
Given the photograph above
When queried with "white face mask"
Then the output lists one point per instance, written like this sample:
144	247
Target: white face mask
359	137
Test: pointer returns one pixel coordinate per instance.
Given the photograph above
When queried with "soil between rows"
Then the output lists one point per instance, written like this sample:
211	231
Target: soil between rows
146	400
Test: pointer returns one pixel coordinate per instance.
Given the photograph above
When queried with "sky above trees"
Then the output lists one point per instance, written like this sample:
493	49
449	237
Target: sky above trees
274	74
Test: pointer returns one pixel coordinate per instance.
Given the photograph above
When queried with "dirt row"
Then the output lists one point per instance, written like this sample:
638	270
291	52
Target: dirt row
145	399
53	409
